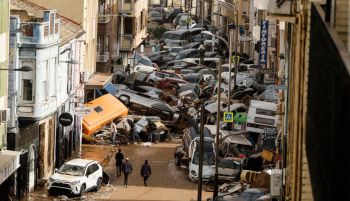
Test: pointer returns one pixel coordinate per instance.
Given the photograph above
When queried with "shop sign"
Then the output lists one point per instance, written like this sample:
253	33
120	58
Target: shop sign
264	33
65	119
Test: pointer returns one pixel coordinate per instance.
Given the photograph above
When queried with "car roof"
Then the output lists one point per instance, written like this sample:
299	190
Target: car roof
187	51
80	162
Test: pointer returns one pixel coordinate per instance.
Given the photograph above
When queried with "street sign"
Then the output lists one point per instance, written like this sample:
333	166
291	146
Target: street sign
82	110
264	29
228	116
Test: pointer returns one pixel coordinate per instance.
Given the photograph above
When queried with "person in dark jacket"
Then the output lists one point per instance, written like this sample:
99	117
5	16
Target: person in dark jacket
127	169
145	172
119	157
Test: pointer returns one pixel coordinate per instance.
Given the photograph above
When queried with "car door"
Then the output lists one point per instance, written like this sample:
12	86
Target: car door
94	175
88	176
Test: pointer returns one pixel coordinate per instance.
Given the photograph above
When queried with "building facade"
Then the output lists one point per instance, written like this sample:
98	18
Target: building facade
9	160
132	26
53	47
84	13
107	46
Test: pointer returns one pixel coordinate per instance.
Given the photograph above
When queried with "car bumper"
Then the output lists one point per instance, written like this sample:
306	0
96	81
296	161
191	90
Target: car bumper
64	188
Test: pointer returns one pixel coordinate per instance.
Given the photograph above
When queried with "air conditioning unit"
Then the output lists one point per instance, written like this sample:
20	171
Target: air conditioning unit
4	115
83	77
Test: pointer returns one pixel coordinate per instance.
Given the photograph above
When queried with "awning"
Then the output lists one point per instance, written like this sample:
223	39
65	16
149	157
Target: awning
98	81
9	163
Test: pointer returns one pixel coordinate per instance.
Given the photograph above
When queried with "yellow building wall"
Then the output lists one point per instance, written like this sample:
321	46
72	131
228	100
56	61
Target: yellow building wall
4	55
140	33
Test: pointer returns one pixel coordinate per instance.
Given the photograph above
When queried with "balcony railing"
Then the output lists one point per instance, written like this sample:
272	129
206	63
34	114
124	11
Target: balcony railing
104	19
115	51
125	7
102	56
126	41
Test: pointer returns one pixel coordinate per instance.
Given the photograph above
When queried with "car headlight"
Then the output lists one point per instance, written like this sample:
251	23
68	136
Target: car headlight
51	180
75	182
193	173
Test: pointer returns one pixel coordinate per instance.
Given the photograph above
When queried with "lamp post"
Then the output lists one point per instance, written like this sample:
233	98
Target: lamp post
234	7
230	50
216	175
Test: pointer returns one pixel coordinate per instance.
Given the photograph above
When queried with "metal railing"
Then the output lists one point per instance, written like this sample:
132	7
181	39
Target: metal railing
125	7
102	56
104	19
126	41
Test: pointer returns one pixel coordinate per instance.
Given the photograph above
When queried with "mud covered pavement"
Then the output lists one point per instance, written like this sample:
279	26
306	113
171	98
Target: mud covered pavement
168	182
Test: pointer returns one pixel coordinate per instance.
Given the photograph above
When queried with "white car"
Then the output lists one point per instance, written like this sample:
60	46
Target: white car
76	177
142	68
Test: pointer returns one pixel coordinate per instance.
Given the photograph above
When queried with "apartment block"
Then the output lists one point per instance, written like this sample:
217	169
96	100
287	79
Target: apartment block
132	25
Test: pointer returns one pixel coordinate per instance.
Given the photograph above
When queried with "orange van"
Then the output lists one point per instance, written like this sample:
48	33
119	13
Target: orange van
103	111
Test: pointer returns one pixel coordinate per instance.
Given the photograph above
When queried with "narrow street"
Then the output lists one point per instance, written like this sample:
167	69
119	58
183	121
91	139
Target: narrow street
167	182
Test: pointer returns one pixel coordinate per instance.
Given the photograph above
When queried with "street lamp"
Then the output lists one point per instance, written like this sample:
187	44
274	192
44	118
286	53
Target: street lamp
22	69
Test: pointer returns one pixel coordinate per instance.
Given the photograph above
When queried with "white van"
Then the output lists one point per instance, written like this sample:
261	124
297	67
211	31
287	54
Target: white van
261	114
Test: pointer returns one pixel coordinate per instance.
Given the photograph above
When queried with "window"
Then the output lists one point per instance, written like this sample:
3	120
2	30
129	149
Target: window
264	121
265	112
27	86
128	23
98	109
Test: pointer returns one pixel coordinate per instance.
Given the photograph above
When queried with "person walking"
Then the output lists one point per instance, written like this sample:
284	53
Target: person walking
127	69
127	169
145	172
114	132
119	157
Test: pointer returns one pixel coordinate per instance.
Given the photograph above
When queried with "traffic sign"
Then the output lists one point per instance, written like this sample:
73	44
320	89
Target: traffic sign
82	110
228	116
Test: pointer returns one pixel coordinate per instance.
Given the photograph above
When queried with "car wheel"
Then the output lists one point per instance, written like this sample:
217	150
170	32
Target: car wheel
82	190
50	192
125	99
98	184
177	160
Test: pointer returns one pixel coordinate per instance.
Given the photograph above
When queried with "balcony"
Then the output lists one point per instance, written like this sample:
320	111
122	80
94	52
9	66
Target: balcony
126	41
102	57
102	19
126	6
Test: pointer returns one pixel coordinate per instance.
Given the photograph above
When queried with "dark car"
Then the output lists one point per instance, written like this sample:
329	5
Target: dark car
172	14
194	78
136	79
181	34
155	16
189	53
170	83
193	45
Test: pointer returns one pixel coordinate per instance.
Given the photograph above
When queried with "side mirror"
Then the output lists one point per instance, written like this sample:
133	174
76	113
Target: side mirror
55	170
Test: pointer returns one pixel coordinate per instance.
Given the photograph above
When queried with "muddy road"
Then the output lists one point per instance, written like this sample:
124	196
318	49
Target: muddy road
168	182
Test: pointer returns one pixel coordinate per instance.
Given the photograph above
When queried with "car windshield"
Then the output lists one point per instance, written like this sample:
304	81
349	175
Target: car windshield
175	50
145	61
208	158
72	170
